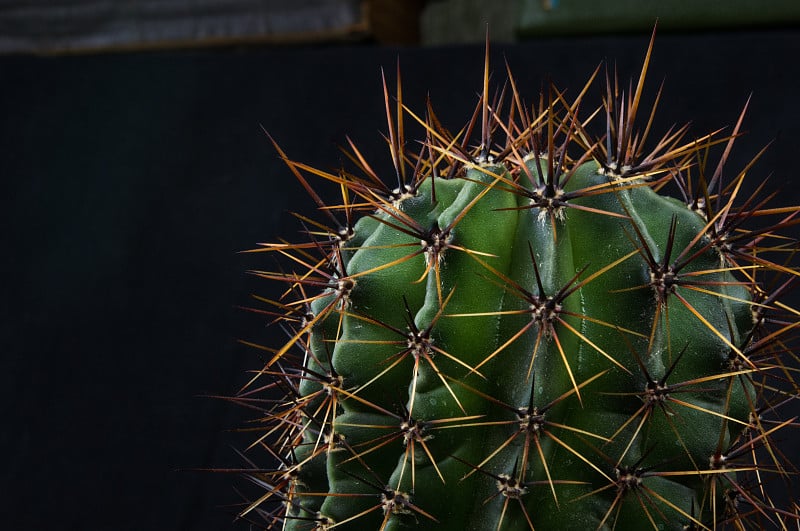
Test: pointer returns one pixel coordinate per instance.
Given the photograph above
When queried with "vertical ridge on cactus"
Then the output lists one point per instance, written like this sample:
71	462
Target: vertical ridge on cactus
526	332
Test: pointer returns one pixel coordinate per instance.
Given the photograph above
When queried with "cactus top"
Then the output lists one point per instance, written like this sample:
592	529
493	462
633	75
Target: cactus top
531	335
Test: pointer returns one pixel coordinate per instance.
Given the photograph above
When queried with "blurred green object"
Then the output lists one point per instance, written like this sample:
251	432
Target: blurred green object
557	17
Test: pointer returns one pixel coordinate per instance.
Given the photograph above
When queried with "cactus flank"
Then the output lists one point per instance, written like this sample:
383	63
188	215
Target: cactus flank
525	331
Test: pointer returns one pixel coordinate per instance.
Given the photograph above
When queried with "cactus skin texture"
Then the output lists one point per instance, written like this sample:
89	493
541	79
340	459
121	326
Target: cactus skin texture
529	334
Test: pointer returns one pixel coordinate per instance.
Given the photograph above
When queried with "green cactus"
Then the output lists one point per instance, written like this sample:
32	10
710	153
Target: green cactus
527	334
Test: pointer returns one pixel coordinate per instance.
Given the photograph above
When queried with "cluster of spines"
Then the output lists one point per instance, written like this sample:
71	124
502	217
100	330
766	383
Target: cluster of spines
296	430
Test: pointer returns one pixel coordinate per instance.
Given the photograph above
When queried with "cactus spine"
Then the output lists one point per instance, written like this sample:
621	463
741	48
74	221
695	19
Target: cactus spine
527	334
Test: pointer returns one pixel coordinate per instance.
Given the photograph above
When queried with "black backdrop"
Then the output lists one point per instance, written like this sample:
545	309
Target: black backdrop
129	183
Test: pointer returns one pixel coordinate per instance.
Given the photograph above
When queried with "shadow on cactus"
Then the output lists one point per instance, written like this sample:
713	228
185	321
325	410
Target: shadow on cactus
522	332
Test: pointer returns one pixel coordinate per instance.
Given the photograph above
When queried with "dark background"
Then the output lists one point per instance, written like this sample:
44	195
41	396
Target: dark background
131	181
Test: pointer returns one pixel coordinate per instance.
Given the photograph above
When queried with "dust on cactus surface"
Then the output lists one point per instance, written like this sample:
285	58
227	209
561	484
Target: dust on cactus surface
549	319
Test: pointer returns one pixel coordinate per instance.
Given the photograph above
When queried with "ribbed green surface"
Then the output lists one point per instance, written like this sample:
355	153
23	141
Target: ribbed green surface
488	360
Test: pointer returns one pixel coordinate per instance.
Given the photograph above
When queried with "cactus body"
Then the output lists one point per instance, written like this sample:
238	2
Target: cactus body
529	335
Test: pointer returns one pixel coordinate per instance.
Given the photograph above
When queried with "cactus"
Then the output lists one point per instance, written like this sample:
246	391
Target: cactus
527	332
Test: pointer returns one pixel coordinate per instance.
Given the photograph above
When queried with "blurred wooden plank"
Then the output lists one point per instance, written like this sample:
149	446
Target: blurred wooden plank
571	17
44	26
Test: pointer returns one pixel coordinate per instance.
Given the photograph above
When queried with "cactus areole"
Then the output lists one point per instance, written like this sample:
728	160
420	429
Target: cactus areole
523	331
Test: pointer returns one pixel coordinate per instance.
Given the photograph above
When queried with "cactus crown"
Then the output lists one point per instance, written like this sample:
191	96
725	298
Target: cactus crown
522	332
